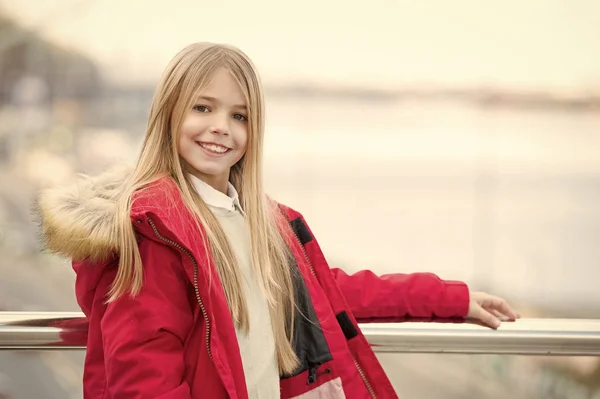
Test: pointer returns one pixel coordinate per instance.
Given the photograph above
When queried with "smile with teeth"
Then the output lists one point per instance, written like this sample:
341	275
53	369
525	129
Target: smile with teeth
218	149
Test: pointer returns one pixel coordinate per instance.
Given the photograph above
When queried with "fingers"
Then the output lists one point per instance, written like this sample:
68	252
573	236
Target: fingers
491	310
497	314
486	317
490	320
501	306
497	304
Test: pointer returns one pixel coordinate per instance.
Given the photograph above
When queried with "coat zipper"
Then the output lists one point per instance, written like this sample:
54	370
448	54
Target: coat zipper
196	289
364	377
312	270
360	370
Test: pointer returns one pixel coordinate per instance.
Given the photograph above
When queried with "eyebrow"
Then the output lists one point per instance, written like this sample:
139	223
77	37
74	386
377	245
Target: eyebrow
215	100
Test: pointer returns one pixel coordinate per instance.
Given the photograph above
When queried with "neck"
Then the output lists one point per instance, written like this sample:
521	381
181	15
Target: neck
219	183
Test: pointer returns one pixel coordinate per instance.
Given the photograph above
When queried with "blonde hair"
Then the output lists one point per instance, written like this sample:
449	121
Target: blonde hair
188	73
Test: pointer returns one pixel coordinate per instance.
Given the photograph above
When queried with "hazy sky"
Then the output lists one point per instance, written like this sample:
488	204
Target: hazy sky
535	43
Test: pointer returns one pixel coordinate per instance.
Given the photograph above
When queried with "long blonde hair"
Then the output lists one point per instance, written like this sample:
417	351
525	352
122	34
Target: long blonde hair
188	73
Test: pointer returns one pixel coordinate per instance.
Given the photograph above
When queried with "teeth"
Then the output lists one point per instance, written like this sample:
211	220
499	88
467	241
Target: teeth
214	148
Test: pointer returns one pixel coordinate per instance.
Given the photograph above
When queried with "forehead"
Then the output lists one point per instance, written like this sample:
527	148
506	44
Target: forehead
222	86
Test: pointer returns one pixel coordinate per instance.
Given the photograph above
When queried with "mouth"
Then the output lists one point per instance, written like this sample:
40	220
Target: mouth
213	148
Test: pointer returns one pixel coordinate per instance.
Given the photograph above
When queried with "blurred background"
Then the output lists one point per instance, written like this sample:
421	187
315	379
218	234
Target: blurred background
456	137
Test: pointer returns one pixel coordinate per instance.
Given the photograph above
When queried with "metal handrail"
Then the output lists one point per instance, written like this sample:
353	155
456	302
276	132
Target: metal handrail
556	337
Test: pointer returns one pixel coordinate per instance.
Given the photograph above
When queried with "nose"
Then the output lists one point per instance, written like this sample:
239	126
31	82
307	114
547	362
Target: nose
220	124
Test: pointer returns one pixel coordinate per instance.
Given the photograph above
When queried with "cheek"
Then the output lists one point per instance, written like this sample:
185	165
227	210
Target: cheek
185	139
242	138
193	124
188	129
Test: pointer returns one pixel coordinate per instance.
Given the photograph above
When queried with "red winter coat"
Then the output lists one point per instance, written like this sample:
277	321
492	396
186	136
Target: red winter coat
176	339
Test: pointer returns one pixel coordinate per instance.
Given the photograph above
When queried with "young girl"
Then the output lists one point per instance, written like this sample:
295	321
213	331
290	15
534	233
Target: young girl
198	285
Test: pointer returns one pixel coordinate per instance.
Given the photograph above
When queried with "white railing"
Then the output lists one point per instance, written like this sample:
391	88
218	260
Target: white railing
555	337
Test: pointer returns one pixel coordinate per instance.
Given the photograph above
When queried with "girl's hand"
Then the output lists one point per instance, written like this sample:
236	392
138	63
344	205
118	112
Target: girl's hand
490	310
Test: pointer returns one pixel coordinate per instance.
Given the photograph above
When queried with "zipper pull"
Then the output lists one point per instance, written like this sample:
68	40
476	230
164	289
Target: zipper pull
312	376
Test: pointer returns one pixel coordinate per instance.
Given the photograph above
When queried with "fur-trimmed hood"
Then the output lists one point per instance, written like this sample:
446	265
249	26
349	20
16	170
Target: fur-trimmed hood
78	221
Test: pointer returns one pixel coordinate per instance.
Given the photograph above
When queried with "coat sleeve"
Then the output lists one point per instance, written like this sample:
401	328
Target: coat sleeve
397	297
143	335
386	298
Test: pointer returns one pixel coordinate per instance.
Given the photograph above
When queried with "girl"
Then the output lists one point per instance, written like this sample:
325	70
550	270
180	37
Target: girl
198	285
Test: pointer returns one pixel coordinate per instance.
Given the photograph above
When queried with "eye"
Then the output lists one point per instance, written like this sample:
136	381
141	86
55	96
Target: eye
200	108
240	117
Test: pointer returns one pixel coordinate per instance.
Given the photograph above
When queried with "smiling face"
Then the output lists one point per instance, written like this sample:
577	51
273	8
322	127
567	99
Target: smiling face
214	134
